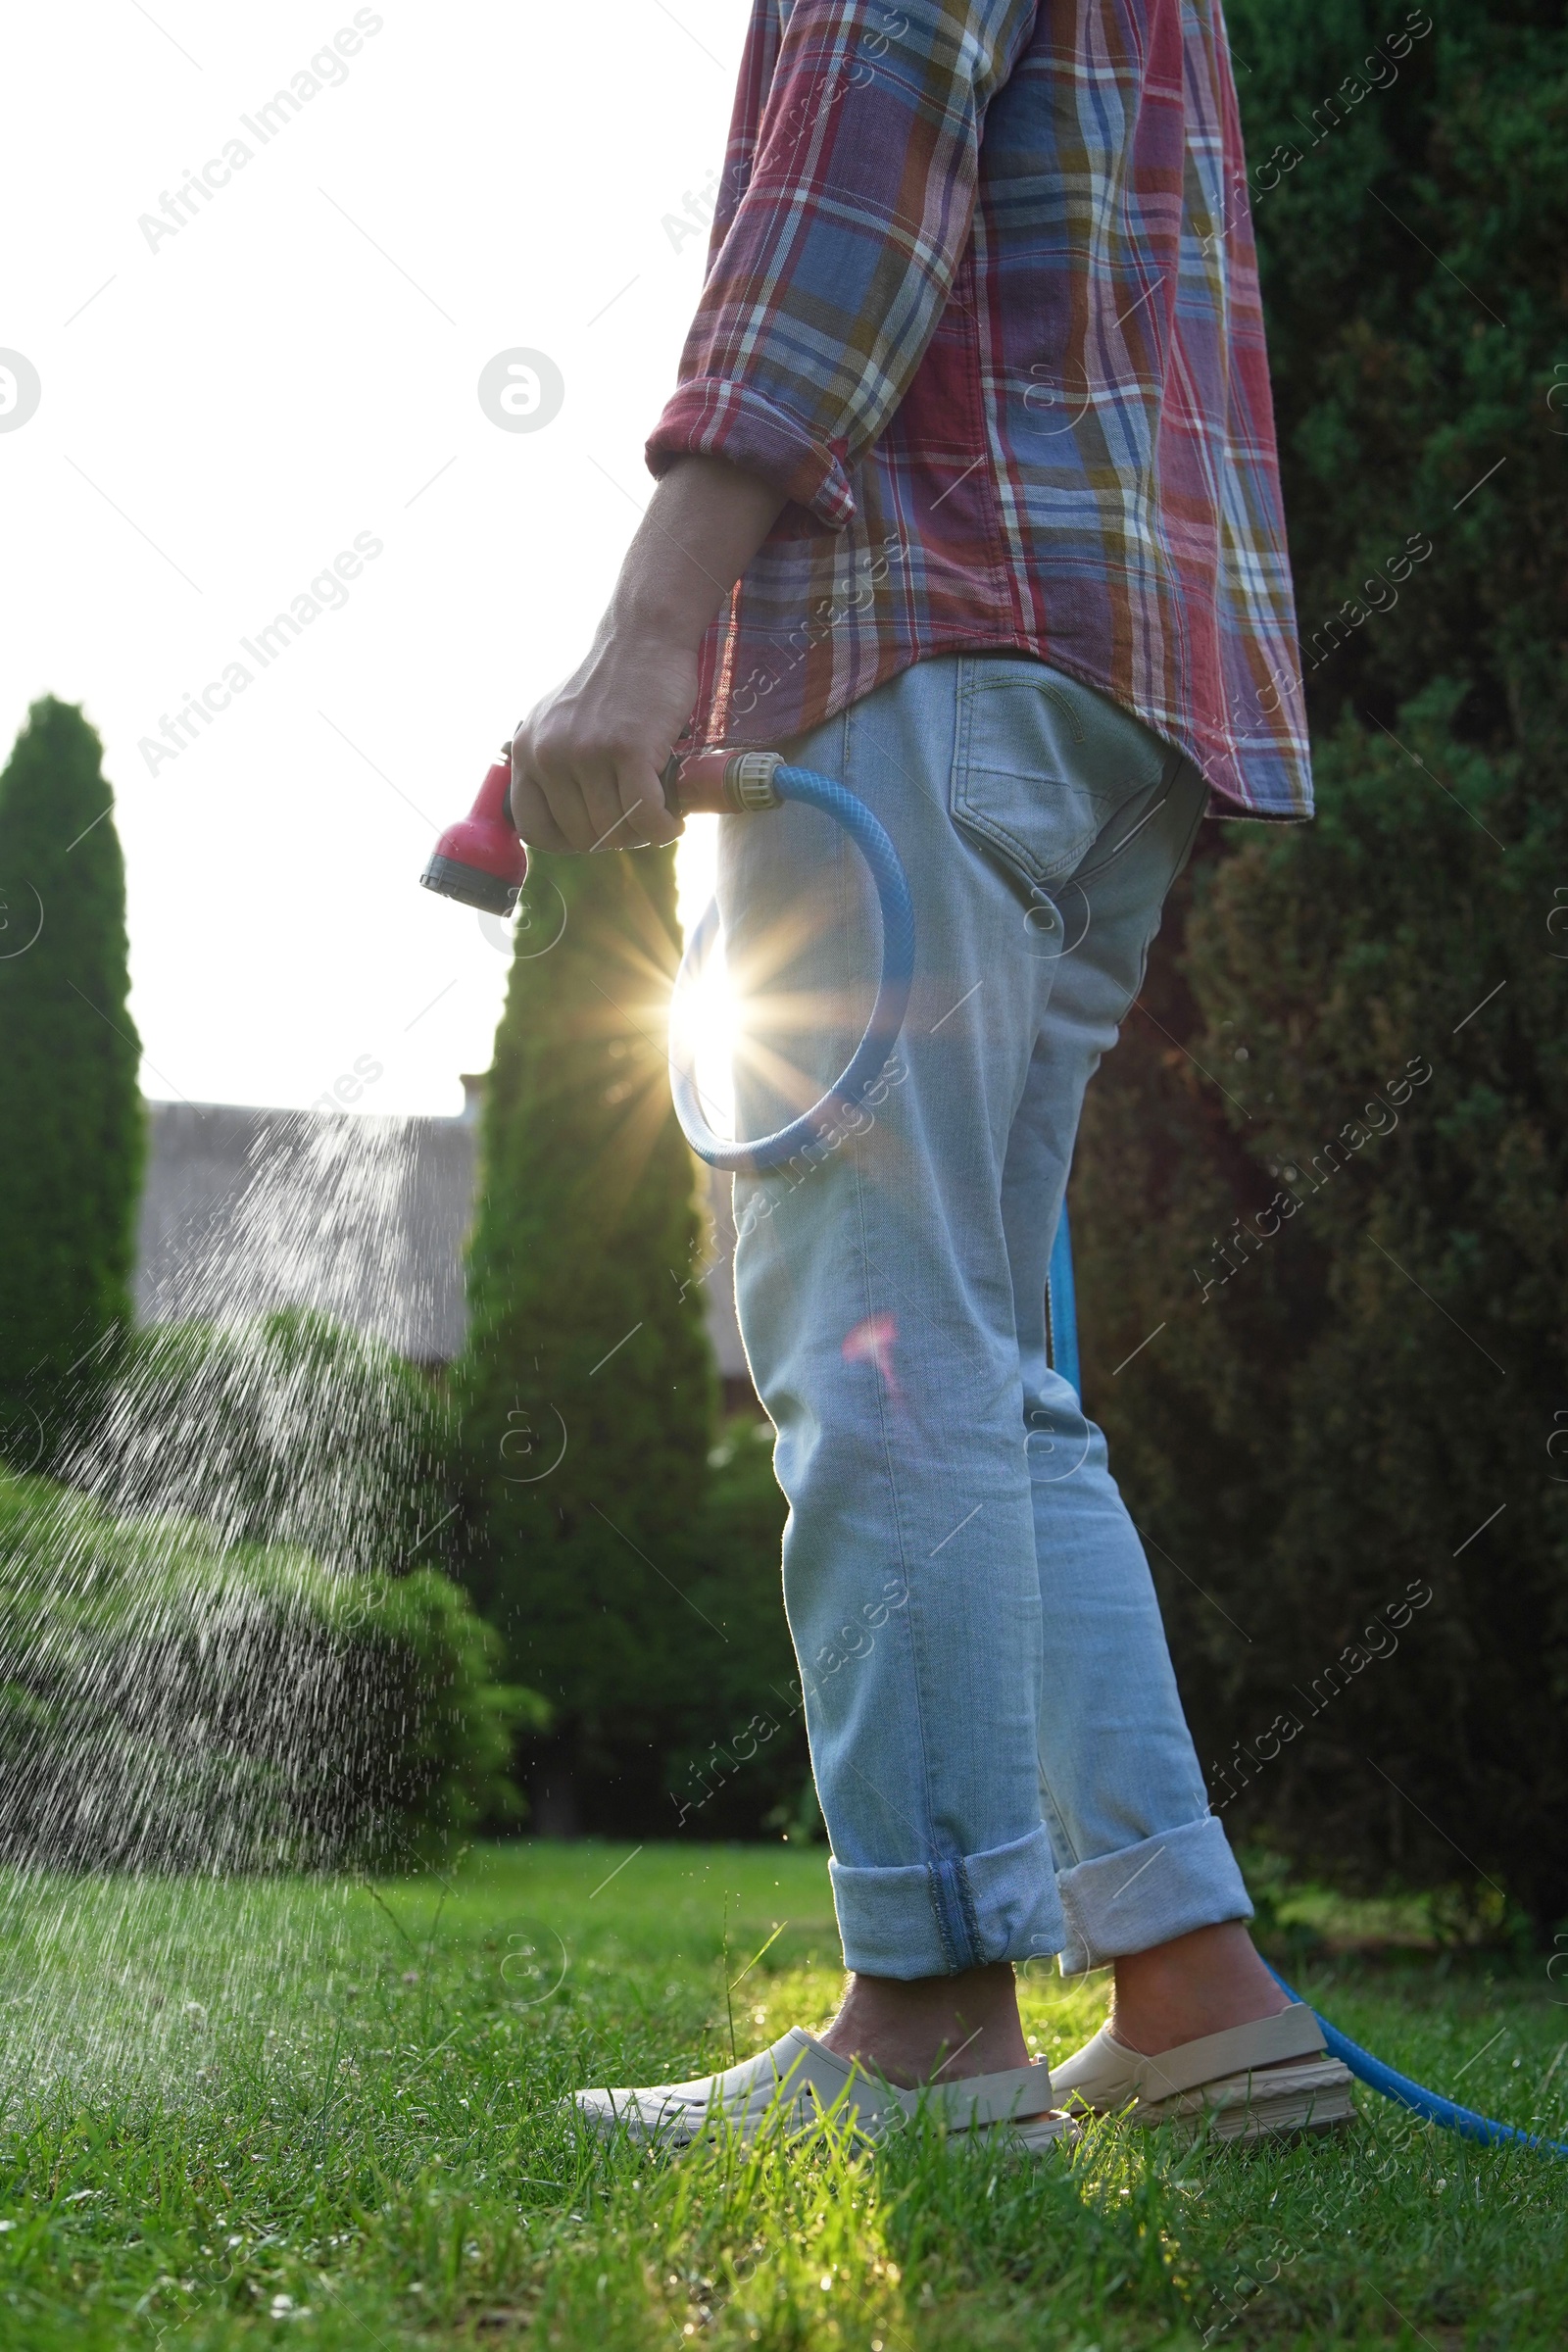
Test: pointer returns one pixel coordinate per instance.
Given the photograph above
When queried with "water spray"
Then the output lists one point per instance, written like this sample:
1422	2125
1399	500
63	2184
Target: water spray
481	863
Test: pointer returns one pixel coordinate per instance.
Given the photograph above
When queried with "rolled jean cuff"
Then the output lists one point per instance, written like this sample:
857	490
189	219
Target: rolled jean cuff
1146	1894
962	1911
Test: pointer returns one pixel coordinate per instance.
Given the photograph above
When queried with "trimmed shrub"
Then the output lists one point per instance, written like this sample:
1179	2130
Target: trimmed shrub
168	1703
287	1428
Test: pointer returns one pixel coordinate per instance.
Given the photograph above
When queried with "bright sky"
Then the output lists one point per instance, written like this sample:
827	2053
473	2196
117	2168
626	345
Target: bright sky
292	373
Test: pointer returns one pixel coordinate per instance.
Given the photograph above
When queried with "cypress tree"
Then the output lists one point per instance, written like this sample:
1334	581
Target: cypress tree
587	1387
72	1135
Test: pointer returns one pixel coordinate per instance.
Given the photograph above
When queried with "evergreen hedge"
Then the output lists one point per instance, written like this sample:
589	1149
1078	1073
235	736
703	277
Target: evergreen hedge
735	1762
71	1142
587	1389
169	1703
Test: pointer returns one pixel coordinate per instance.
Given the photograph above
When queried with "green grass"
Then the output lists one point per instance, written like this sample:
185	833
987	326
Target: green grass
317	2115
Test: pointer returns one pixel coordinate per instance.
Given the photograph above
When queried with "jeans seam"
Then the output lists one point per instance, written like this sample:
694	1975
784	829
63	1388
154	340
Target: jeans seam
1054	1823
971	1918
952	1902
939	1911
912	1647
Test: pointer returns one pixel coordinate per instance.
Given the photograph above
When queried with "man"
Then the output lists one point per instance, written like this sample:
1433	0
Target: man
975	412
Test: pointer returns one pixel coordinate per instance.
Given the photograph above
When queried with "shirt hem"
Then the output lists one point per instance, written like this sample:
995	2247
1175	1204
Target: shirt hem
1226	799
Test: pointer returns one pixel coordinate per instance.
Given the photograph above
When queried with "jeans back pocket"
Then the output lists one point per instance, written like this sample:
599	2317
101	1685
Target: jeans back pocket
1042	763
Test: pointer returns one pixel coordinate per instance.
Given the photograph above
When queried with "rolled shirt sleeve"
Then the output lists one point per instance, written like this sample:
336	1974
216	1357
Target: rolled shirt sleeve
840	229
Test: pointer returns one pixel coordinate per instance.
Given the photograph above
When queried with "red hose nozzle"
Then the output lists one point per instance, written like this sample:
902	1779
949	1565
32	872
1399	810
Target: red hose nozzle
480	861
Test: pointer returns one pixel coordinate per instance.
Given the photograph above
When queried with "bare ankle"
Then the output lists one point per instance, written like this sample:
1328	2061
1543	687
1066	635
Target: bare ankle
1194	1986
931	2029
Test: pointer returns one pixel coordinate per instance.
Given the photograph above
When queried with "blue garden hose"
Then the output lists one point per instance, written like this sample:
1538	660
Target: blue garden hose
1429	2105
1061	1307
848	1093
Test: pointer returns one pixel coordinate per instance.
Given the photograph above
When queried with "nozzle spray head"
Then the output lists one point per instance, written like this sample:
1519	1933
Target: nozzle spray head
480	862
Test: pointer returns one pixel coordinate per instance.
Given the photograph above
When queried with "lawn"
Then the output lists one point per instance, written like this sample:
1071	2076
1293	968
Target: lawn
319	2113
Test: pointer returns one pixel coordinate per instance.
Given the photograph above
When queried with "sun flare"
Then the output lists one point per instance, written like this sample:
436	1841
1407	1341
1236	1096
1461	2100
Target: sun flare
705	1018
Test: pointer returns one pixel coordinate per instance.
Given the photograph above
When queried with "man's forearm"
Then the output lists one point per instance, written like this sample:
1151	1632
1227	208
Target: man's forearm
703	523
586	761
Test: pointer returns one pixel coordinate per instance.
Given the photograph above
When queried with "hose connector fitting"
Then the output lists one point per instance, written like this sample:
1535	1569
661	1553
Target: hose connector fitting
749	780
716	782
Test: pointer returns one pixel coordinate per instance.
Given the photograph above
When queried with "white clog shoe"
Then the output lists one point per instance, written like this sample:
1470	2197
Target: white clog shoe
1234	2080
795	2084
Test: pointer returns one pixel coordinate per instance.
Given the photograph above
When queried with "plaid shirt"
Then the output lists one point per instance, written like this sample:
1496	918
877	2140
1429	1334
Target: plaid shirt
982	302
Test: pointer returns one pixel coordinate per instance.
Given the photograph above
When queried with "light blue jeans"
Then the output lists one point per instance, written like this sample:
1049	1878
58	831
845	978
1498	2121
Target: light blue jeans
999	1746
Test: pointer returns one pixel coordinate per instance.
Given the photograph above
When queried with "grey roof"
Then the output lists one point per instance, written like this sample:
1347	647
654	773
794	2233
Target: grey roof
248	1209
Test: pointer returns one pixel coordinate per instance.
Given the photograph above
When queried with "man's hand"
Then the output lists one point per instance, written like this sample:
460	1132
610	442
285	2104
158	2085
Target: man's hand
586	760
